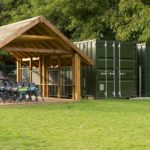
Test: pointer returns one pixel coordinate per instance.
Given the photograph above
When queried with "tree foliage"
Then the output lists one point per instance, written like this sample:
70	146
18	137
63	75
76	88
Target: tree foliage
131	21
123	20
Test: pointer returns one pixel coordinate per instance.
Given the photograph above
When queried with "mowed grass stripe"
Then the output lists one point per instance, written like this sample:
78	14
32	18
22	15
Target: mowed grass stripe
85	125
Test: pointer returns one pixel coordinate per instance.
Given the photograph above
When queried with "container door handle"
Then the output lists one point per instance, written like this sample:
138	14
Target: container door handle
103	73
123	74
111	73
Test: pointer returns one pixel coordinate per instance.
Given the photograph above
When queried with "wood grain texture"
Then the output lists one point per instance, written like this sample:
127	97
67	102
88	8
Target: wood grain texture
19	70
76	67
37	35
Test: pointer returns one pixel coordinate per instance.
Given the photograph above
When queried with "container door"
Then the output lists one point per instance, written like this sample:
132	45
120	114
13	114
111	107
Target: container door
140	69
126	70
101	68
114	69
119	70
110	68
106	65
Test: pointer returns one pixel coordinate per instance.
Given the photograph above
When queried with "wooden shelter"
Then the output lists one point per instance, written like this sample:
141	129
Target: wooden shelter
38	38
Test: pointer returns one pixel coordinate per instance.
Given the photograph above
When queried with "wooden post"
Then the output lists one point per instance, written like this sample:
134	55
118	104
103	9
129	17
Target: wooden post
44	76
73	77
19	70
40	73
58	84
30	63
76	92
47	74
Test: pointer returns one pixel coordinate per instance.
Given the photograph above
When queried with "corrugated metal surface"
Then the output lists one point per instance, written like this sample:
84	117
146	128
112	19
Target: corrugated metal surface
114	73
88	73
144	64
65	81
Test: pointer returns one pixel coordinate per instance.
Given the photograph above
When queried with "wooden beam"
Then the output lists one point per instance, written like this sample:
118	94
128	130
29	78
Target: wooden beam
18	57
36	50
18	54
19	70
36	37
38	30
76	67
67	41
66	56
14	55
25	55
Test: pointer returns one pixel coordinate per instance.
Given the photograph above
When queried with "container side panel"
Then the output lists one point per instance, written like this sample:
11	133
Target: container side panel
127	74
88	77
146	67
141	69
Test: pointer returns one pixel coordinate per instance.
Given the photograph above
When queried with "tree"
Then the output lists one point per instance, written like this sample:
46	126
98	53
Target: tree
85	19
124	20
77	19
131	21
12	10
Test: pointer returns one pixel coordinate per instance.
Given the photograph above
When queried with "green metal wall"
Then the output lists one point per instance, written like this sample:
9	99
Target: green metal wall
144	63
88	73
114	73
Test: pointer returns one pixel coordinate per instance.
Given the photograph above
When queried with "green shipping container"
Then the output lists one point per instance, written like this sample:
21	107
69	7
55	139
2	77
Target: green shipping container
143	69
114	73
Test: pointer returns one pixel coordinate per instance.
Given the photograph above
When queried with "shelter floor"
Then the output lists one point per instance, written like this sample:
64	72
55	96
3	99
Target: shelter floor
46	100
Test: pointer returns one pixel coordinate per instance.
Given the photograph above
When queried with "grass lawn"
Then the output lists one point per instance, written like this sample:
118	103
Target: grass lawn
85	125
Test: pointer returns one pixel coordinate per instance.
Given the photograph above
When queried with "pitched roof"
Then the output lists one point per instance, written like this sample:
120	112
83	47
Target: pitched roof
37	36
